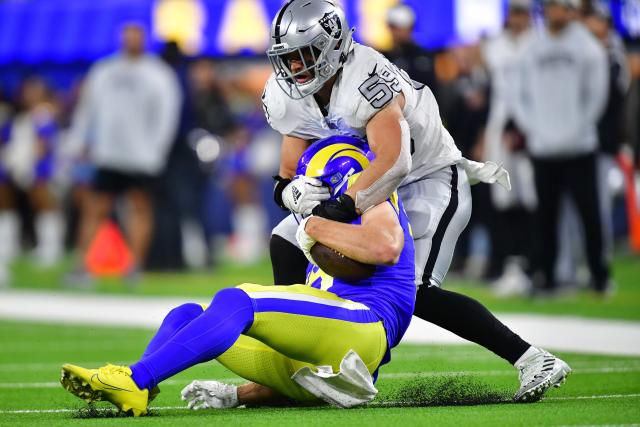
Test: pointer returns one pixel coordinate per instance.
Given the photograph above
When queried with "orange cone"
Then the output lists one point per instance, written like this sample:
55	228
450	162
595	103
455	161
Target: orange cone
108	254
633	204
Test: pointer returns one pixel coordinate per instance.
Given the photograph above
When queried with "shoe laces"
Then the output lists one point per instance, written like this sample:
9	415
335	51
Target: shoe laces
114	369
536	367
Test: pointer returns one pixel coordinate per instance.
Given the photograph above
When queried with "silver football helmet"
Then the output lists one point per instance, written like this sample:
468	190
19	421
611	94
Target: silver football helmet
310	40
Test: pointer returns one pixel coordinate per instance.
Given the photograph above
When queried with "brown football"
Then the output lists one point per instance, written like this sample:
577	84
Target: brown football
339	266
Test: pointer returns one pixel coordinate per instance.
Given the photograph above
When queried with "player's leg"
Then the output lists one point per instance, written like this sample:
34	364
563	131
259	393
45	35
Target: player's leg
255	361
315	326
582	183
548	182
204	338
49	224
139	223
173	322
439	209
457	313
287	260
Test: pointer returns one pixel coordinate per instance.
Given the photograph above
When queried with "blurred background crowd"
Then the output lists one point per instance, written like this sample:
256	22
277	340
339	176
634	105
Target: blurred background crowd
144	119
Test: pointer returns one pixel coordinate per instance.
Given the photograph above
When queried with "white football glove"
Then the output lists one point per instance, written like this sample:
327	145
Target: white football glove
304	240
303	194
210	395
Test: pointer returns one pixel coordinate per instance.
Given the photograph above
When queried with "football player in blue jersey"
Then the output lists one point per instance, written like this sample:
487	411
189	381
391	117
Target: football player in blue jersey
323	341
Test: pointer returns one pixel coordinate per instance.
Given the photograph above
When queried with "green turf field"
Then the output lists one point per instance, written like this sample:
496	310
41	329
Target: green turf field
602	390
625	303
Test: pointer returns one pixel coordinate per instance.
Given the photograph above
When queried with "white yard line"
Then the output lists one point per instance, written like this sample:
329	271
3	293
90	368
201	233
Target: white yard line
180	408
564	333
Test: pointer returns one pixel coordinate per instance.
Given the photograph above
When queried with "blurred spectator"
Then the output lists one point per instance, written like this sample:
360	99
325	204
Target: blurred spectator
465	114
209	105
32	136
8	218
128	115
505	144
418	62
611	126
562	90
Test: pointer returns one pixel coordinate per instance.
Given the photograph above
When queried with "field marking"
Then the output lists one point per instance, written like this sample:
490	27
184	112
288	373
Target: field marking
571	333
179	408
390	375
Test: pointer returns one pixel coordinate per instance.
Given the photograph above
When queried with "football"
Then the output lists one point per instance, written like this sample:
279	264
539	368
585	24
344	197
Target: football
339	266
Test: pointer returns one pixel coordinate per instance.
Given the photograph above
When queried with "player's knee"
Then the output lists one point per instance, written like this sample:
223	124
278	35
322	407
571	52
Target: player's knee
235	302
182	314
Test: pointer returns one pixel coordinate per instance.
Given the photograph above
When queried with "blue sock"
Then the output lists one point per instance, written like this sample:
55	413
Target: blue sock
204	338
177	319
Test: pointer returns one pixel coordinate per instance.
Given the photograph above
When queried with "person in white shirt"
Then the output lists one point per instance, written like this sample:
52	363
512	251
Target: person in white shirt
561	93
129	114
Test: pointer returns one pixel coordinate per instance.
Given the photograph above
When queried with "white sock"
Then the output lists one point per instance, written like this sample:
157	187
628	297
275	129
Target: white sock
194	245
249	225
531	351
9	236
50	237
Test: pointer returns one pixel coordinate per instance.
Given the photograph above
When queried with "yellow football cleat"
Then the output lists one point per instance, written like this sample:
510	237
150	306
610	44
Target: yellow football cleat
111	383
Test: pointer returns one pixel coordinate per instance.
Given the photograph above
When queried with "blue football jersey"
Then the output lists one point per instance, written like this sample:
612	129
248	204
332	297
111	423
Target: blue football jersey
390	292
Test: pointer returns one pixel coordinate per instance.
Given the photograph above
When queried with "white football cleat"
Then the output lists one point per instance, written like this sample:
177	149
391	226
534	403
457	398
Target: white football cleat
538	373
210	395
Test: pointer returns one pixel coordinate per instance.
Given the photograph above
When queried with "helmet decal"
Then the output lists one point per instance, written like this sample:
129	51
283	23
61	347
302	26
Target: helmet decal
330	23
336	161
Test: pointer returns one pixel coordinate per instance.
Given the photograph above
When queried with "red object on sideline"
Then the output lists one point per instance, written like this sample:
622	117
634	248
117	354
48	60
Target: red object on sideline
108	254
633	204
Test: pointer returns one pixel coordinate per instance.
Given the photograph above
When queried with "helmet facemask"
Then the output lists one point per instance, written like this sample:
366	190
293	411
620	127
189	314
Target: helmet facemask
314	65
313	37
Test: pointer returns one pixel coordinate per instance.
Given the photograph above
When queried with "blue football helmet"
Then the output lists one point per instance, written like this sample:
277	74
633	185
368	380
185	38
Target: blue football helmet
335	160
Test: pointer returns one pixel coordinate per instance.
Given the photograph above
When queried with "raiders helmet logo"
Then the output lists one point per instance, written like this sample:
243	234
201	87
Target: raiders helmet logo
330	23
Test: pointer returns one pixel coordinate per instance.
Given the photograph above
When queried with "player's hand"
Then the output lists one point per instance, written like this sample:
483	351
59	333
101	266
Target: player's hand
210	395
303	194
304	240
343	209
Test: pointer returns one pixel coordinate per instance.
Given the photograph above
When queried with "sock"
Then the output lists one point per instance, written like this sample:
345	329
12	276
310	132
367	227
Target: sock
287	261
249	225
527	354
470	320
203	339
50	237
177	319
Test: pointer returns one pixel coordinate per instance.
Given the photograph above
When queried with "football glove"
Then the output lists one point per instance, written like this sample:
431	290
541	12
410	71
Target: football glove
342	209
302	194
210	394
304	240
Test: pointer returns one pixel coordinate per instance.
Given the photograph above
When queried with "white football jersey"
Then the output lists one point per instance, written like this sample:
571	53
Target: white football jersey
367	83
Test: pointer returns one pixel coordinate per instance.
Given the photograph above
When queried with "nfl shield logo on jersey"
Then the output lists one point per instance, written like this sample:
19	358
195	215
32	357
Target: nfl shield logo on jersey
331	24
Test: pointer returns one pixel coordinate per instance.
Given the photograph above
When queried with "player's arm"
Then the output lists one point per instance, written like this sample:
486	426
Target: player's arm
301	194
389	139
379	238
291	150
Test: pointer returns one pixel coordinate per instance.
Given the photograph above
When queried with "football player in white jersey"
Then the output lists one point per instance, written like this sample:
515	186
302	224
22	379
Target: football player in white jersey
325	84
